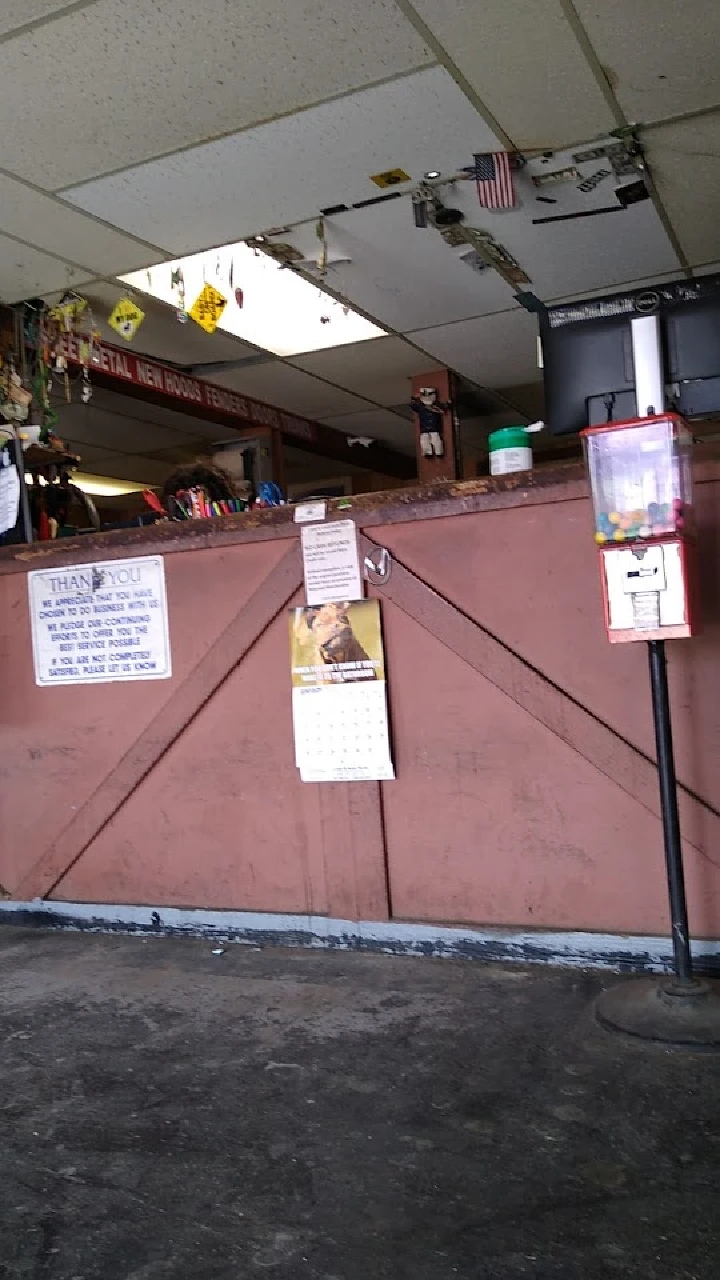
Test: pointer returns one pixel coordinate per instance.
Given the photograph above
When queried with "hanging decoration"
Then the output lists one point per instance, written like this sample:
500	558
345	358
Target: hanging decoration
207	308
126	318
48	335
177	282
321	262
280	251
14	397
68	311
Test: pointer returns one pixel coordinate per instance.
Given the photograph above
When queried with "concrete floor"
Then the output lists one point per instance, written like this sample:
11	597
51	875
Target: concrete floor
166	1112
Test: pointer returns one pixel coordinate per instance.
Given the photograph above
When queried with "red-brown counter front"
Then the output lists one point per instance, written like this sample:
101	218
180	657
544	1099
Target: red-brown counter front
526	793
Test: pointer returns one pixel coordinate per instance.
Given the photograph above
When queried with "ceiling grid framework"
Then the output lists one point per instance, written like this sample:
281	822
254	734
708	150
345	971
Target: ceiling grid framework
181	135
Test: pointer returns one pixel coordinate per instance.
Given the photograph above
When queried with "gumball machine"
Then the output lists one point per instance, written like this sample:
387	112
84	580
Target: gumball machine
641	483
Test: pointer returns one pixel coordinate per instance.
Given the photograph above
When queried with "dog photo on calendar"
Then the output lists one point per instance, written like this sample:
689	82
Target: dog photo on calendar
328	630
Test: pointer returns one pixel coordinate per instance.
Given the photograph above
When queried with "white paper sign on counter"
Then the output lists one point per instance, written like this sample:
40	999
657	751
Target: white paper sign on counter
98	623
307	511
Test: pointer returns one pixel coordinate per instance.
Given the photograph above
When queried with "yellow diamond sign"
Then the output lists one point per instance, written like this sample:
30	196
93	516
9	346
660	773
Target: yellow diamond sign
126	319
390	178
207	308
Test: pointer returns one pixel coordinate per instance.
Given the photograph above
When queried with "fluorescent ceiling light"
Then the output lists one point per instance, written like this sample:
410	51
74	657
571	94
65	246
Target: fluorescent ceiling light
281	312
105	486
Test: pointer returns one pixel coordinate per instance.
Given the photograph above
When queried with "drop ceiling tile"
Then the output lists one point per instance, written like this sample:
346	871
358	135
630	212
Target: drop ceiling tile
21	13
410	279
524	63
138	80
377	424
26	273
288	388
495	351
52	226
380	370
656	278
661	58
685	163
584	253
402	275
299	164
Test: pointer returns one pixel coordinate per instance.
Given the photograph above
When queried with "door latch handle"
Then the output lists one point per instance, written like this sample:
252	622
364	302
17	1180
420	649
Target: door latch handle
378	567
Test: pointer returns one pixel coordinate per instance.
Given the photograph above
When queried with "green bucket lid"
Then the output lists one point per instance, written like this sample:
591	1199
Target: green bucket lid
509	438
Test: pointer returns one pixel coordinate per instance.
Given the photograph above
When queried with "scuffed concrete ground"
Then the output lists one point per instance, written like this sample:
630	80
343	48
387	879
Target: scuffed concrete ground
167	1113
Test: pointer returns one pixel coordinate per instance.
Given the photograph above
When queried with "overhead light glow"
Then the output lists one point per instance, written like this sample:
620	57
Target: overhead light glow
105	486
432	174
267	304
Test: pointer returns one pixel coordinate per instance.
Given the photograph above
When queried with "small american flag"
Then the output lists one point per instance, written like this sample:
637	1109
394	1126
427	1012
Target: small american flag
493	176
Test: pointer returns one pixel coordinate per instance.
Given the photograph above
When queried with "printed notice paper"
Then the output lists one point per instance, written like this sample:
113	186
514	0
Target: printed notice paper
97	623
331	562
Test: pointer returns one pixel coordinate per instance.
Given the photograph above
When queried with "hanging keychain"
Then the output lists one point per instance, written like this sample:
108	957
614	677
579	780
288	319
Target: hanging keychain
177	281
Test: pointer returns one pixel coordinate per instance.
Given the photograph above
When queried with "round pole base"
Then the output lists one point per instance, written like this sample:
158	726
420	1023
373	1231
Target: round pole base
663	1010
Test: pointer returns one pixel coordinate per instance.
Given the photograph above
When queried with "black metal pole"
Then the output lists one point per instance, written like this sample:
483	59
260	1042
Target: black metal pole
669	807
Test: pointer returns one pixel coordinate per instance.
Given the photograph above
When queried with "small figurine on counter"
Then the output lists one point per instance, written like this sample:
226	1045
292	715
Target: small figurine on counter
431	413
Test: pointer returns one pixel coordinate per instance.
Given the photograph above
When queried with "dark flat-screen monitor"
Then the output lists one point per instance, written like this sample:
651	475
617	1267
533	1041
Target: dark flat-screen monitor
588	362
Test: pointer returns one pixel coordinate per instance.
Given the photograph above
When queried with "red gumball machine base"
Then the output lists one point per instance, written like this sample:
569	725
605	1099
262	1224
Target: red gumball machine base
649	590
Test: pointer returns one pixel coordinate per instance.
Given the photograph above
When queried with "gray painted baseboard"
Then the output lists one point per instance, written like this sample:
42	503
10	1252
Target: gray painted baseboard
618	952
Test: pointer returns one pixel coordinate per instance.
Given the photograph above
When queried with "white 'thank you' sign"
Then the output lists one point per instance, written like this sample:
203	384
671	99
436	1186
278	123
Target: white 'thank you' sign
98	623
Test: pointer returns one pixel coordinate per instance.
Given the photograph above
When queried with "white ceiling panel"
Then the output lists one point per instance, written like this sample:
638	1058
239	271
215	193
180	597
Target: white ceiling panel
495	351
287	388
137	80
25	273
41	220
377	424
21	13
380	370
595	253
660	57
524	63
685	162
574	256
644	281
401	275
410	279
287	170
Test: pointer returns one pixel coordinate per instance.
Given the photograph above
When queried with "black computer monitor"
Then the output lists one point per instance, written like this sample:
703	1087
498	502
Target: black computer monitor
587	353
